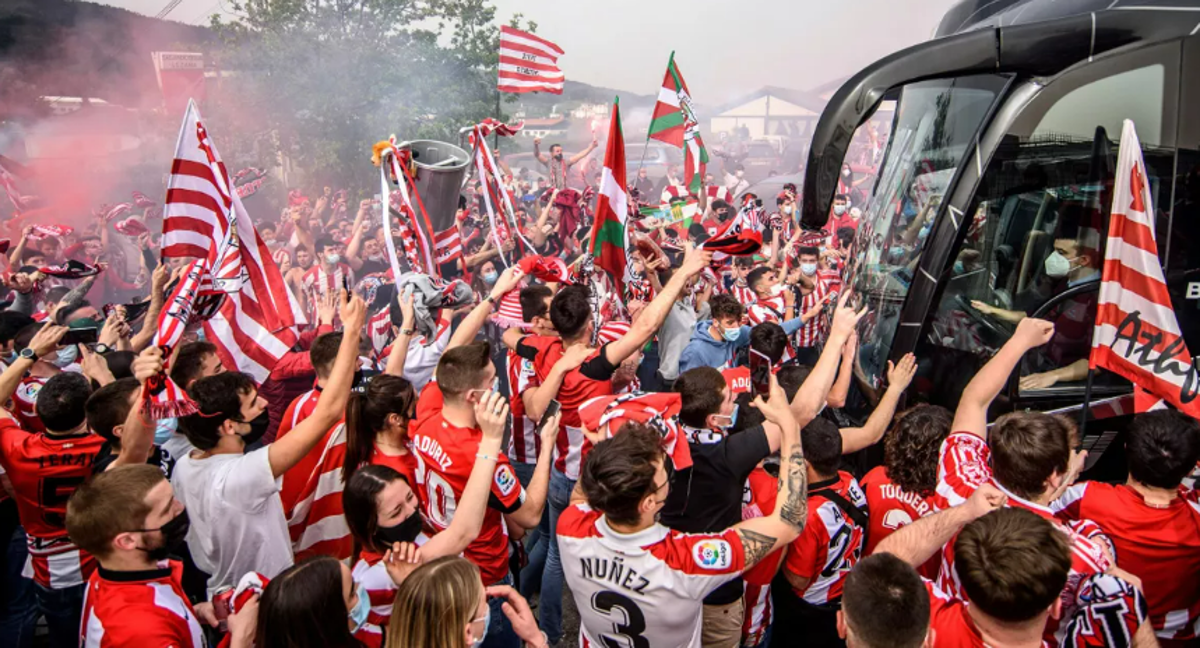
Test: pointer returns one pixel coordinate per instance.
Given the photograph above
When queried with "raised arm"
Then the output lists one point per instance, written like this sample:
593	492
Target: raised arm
917	542
841	386
469	327
971	415
399	355
656	311
530	513
578	157
14	255
537	152
158	286
815	390
43	343
763	535
355	245
899	378
286	452
468	515
137	435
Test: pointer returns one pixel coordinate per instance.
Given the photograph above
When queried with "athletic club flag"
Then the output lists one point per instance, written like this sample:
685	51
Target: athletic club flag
674	122
528	63
203	218
1136	334
447	246
612	206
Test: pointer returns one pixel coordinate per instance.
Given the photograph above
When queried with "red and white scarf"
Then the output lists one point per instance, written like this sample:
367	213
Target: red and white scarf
162	397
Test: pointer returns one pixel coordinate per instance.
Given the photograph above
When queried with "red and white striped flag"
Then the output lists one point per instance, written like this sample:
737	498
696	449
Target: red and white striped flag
1136	334
202	218
447	246
528	63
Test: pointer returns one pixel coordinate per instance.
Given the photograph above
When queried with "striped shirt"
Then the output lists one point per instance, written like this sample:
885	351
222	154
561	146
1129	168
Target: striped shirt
150	608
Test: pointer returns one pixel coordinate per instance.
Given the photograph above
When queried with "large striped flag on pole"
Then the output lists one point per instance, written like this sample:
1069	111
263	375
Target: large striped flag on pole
203	218
528	63
612	206
1136	334
674	122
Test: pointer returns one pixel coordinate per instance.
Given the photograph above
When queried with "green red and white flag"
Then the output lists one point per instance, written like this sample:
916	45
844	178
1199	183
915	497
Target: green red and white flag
674	123
612	207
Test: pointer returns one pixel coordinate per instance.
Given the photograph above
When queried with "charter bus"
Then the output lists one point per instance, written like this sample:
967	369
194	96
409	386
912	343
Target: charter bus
993	190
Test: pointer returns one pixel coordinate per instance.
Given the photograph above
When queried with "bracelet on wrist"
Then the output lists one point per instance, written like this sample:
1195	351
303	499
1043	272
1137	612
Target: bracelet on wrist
485	457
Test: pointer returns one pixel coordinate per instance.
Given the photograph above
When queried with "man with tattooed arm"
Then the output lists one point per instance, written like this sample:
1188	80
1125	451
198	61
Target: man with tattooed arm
637	582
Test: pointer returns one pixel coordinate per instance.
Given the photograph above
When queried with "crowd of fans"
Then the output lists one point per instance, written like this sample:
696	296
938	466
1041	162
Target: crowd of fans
668	446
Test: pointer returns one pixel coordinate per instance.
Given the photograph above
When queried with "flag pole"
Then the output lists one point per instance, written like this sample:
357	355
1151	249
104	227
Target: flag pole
496	134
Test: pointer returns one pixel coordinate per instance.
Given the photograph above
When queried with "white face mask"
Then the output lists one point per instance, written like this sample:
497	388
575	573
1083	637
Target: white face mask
809	269
1057	265
839	209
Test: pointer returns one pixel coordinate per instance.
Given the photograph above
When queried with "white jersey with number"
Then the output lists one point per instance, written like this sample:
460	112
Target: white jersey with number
645	589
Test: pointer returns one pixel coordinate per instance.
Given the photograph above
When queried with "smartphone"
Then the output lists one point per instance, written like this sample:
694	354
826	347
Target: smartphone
80	336
760	374
551	409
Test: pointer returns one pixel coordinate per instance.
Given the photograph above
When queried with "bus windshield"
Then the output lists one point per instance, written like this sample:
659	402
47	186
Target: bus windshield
932	128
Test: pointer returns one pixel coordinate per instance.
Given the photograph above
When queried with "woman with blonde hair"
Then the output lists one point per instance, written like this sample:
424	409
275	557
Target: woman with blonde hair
443	604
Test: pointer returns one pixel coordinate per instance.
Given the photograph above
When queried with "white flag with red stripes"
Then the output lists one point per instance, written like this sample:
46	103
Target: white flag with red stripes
528	63
204	218
1136	334
447	246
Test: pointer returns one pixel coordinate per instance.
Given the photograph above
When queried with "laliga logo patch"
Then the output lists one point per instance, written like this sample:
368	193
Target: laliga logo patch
712	554
506	481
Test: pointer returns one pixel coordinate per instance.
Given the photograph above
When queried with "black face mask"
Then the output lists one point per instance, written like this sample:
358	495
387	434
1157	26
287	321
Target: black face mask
173	535
406	531
258	427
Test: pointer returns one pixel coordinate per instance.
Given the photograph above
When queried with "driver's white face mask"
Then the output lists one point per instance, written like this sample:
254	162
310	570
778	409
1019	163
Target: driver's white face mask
1057	265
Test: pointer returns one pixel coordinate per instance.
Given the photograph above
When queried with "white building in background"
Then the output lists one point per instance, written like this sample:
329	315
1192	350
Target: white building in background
770	112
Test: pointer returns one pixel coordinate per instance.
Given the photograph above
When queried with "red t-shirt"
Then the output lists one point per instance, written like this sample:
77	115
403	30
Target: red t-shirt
445	455
293	480
44	472
759	501
1159	545
892	507
830	544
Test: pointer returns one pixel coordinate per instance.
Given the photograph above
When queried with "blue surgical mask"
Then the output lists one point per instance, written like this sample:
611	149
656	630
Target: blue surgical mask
733	416
959	268
487	622
490	278
333	258
809	269
66	356
358	616
731	335
924	232
164	429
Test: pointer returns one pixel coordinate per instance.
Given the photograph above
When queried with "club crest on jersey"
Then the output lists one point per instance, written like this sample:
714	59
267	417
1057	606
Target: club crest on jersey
712	554
506	481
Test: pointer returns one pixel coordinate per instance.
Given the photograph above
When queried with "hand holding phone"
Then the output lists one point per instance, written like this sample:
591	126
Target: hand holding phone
80	336
760	374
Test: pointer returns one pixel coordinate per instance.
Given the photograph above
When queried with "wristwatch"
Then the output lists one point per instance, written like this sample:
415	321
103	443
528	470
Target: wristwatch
407	331
29	354
102	348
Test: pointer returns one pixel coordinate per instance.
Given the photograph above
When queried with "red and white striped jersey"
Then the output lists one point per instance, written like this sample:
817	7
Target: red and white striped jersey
813	331
445	455
830	544
317	283
317	523
294	479
525	444
24	401
646	588
743	293
128	609
1161	546
371	572
759	501
773	309
964	465
44	471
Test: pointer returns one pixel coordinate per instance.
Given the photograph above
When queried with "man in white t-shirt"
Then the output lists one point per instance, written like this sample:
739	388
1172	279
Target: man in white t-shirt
232	497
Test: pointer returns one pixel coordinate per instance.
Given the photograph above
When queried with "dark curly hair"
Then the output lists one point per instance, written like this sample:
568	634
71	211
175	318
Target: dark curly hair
911	449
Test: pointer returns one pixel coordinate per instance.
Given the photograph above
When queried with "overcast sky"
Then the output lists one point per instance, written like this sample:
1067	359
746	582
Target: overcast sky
724	47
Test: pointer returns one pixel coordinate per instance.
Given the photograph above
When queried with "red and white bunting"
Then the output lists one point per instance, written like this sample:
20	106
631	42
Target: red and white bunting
1136	334
202	218
528	63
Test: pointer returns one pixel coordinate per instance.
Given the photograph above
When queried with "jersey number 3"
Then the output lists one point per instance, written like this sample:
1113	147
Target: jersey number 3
628	621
